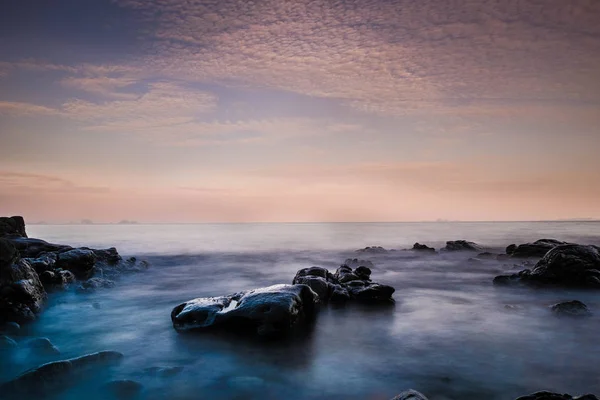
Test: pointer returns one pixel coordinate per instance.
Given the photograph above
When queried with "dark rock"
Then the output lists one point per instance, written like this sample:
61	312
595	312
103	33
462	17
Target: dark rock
44	262
93	284
8	253
33	248
556	396
573	308
355	263
22	294
163	372
43	346
124	389
313	271
318	284
7	343
569	265
462	245
57	376
410	395
108	256
363	273
423	247
273	311
370	292
345	274
339	295
373	250
14	226
536	249
487	256
57	280
79	261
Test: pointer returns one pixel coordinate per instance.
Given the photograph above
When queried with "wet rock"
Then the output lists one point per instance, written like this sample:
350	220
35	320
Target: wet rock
93	284
462	245
371	292
345	274
124	389
410	395
569	265
423	248
355	263
7	343
273	311
163	372
363	273
318	284
57	280
372	250
57	376
33	248
556	396
44	262
10	328
574	308
43	346
339	295
13	226
536	249
108	256
22	294
79	261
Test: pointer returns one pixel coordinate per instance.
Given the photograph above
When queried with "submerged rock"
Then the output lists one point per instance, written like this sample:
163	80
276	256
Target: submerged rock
536	249
556	396
273	311
57	376
462	245
410	395
10	328
7	343
43	346
574	308
569	265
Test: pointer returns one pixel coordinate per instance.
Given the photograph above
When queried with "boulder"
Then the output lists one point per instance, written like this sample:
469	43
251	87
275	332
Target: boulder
43	346
569	265
423	248
273	311
22	294
556	396
57	280
370	292
57	376
462	245
574	308
410	395
79	261
355	263
536	249
12	226
319	285
45	262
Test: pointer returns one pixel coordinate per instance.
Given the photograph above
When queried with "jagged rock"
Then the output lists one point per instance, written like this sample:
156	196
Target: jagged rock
13	226
363	273
79	261
556	396
462	245
57	376
574	308
355	263
33	248
410	395
43	346
273	311
318	284
536	249
370	292
108	256
569	265
124	389
372	250
423	248
57	280
94	284
44	262
21	293
345	274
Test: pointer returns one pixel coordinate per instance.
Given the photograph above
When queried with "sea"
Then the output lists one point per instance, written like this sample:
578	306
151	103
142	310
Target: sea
451	334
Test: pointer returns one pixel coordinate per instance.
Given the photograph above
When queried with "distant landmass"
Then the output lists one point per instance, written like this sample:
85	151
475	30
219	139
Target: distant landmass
127	222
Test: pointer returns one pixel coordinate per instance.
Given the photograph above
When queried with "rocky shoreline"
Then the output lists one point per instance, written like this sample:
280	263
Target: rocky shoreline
31	269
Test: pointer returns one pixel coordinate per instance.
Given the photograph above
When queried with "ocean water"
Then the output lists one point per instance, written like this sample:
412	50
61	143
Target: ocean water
451	334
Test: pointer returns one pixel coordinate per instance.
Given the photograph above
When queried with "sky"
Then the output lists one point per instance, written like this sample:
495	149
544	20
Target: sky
299	110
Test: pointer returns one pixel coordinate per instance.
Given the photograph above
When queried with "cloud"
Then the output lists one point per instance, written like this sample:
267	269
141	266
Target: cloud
20	109
38	184
103	86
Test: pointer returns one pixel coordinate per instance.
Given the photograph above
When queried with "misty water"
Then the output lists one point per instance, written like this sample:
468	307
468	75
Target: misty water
451	334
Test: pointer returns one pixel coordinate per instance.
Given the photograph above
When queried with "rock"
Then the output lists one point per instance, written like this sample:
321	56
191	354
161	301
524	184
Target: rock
14	226
569	265
10	328
319	285
373	250
22	294
369	293
124	389
79	261
355	263
33	248
44	262
108	256
273	311
345	274
462	245
556	396
487	256
163	372
93	284
57	376
410	395
423	248
7	343
57	280
43	346
536	249
8	253
363	273
339	295
574	308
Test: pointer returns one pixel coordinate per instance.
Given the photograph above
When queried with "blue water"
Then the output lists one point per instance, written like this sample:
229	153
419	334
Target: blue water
450	335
